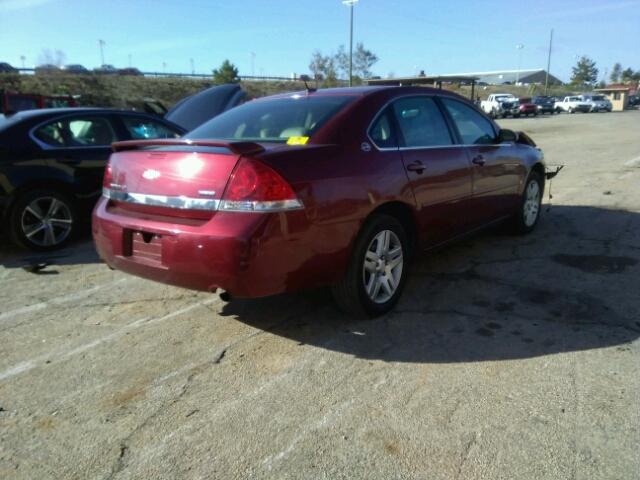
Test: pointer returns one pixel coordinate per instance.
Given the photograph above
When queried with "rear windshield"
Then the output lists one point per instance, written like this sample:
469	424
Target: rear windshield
274	120
598	98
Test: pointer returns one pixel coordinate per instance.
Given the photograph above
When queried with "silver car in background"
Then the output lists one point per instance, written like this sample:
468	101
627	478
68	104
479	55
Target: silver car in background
599	103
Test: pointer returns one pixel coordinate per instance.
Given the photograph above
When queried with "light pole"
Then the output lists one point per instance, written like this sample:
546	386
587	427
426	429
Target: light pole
350	4
22	59
193	68
101	44
519	47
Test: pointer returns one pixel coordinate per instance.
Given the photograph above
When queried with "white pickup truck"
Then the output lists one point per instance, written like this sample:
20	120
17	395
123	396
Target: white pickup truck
573	104
501	105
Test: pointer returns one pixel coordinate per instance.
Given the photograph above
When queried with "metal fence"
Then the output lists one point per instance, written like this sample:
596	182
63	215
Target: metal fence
244	78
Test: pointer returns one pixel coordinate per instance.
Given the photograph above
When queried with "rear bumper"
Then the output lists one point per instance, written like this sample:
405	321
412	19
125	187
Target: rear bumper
246	254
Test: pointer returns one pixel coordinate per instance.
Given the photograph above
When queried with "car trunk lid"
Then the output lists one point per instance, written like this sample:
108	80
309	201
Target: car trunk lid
172	177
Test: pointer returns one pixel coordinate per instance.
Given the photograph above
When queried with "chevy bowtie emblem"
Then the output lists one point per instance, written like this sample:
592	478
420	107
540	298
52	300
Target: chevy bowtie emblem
151	174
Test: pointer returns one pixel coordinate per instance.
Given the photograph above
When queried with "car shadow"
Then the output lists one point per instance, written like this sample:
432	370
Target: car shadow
567	287
79	251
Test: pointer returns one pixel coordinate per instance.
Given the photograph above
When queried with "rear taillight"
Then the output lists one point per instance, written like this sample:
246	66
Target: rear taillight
108	176
255	187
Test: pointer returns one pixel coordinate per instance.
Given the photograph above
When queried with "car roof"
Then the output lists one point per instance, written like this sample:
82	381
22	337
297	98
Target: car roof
45	112
360	91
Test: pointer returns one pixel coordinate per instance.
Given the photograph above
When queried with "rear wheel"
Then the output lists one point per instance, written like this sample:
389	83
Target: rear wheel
42	220
377	270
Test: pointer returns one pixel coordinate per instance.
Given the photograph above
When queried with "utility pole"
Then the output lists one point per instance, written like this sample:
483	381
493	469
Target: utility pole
546	80
164	67
22	59
519	47
350	4
193	68
101	44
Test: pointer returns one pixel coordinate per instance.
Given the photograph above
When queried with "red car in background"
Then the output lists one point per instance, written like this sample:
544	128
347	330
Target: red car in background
527	107
12	102
335	187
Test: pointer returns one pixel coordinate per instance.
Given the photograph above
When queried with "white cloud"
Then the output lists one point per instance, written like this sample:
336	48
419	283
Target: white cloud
13	5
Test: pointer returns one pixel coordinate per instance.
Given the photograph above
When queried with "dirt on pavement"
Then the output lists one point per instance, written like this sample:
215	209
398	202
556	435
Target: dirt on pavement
507	357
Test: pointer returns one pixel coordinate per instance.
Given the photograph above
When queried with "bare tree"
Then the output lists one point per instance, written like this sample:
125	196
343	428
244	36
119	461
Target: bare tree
52	57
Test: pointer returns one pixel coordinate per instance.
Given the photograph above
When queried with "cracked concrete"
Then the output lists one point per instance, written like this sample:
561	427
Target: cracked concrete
507	357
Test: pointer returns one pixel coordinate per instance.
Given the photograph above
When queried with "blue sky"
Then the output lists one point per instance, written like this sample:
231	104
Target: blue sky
453	36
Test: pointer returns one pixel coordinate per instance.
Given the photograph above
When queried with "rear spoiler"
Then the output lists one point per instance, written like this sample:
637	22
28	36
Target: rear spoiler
240	148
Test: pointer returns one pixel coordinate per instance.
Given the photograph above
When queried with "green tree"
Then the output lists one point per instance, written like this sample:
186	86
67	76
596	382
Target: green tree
627	75
616	71
585	72
227	73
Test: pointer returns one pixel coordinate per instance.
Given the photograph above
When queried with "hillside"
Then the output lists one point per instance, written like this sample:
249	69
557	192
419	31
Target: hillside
129	91
125	91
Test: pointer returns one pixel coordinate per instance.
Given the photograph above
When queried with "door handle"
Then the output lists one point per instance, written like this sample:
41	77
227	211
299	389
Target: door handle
478	160
416	166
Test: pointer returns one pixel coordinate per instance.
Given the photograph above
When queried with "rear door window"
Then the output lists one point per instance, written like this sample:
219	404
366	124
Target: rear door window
140	128
421	123
77	132
474	129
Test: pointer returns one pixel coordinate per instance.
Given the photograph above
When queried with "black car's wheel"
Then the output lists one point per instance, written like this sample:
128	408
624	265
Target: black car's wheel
529	212
42	220
377	270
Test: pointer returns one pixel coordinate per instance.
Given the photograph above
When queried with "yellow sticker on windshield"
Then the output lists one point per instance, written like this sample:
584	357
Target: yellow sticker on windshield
297	140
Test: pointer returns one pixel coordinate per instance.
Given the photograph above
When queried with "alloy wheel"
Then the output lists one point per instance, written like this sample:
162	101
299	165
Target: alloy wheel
46	221
382	268
531	203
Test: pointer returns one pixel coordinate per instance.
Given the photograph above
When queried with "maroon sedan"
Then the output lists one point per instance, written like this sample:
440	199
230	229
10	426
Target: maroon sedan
527	107
336	187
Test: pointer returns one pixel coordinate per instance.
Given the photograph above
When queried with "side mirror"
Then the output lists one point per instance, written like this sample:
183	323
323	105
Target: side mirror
507	136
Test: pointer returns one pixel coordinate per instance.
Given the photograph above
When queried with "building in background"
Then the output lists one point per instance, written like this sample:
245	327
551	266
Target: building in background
618	95
510	77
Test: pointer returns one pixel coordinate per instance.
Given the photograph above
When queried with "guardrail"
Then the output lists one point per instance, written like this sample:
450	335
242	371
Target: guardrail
245	78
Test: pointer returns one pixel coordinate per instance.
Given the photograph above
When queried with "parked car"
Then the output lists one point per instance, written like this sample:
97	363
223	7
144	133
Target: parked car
634	100
106	69
75	68
597	103
129	71
572	104
46	69
7	68
60	154
501	105
51	165
12	102
527	107
334	187
544	104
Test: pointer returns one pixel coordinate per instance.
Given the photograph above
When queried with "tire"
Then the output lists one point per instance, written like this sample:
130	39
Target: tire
42	220
572	111
365	291
526	219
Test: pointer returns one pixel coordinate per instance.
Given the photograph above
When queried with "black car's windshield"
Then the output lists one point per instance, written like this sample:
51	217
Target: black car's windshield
296	117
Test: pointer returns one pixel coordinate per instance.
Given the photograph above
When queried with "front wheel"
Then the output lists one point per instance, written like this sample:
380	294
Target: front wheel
377	270
529	212
42	220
